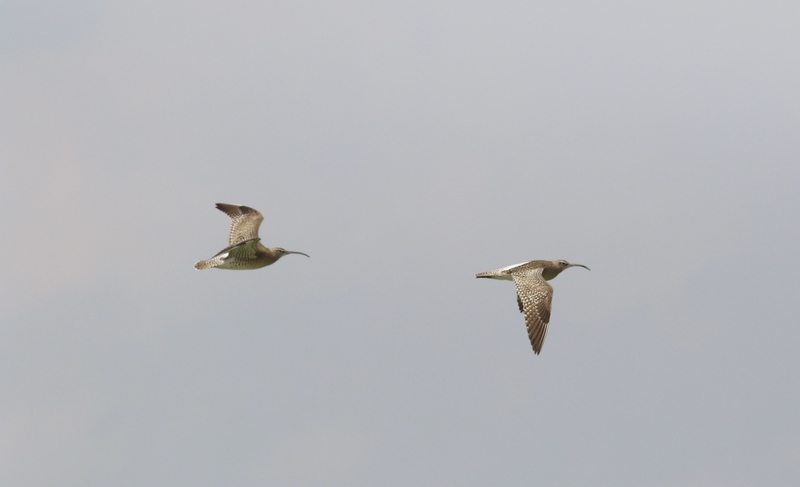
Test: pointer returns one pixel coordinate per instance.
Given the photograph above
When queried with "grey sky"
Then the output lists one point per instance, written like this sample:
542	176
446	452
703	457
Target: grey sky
405	146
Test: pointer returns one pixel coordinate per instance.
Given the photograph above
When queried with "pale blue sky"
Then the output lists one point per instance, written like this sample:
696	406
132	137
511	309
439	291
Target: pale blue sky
405	146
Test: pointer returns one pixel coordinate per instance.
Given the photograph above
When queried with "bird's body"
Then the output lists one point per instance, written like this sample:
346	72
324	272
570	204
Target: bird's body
245	250
534	294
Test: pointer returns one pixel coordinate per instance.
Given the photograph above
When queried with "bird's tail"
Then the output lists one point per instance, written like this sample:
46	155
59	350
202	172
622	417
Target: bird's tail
208	264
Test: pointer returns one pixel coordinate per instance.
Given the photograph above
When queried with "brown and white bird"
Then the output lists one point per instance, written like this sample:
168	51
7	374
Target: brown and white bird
534	294
244	250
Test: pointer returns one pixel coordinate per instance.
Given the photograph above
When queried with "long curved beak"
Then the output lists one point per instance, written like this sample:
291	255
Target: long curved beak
293	252
580	265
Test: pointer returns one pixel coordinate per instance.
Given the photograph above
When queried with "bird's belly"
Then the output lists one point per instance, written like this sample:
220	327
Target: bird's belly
242	265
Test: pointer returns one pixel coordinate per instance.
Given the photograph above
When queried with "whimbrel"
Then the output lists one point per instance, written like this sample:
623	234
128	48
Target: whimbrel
534	294
244	250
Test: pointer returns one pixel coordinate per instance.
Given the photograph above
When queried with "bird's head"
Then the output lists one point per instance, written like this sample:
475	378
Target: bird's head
563	264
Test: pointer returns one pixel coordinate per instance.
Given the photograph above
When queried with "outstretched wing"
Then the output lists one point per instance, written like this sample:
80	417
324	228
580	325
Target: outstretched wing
244	222
535	297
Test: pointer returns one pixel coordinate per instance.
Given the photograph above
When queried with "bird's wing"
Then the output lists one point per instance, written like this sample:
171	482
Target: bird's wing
536	297
244	222
243	251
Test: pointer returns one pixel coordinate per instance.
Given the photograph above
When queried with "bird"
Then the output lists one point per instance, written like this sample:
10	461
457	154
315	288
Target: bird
534	294
244	250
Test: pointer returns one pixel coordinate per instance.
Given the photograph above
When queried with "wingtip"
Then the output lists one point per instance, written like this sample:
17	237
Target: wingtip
234	205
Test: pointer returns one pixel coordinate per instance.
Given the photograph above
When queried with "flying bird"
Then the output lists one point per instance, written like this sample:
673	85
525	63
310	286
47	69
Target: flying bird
534	294
244	250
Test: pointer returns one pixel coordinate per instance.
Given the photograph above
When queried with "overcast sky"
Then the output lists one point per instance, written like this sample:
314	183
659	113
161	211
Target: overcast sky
405	146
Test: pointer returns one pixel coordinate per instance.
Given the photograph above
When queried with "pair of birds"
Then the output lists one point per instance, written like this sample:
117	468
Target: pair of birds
534	294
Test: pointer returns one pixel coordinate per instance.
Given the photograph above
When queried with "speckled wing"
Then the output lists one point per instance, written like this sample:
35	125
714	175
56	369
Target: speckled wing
535	297
244	222
242	252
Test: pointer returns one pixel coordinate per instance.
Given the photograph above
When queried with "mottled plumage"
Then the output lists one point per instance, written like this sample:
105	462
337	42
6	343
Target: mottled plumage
534	294
244	222
244	250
